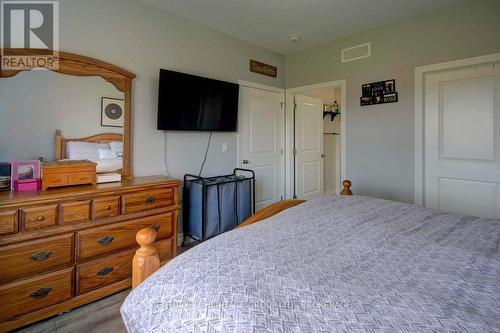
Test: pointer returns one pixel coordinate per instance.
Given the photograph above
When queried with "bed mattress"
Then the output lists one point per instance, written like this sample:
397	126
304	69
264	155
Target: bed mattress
331	264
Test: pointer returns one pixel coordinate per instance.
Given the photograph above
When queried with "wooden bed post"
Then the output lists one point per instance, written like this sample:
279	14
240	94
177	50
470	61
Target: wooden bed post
146	260
58	145
347	187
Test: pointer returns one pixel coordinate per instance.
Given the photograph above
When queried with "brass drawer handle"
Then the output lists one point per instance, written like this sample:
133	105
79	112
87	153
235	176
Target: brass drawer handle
105	271
150	200
41	293
41	256
155	227
40	218
106	240
108	208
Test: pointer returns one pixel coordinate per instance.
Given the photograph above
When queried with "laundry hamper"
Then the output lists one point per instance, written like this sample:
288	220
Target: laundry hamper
215	205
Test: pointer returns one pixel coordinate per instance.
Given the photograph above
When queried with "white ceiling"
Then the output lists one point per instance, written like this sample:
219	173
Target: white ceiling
269	22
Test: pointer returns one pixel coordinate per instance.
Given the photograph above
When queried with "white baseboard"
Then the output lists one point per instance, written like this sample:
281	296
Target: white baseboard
330	192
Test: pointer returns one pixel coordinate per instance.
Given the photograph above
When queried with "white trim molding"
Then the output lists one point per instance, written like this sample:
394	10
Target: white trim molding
260	86
420	73
289	174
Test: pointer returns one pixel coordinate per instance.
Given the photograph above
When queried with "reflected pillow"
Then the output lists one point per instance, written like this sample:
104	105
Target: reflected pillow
106	154
76	150
117	148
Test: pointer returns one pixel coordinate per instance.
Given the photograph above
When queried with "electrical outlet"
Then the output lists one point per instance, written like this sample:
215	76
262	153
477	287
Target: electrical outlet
224	146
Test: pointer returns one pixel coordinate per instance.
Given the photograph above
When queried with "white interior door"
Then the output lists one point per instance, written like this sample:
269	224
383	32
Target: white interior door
309	147
261	122
462	141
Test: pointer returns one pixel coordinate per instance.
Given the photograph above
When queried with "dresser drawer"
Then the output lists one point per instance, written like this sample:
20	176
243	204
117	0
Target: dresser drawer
104	240
74	212
57	179
145	200
39	217
36	293
8	222
34	257
82	177
105	207
99	273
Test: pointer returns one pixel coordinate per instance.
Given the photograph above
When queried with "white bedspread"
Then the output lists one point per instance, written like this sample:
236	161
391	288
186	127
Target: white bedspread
331	264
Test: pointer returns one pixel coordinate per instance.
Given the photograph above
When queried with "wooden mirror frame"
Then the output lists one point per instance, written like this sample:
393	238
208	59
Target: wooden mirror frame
77	65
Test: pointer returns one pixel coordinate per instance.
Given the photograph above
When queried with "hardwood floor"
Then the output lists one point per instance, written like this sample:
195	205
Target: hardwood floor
102	316
99	316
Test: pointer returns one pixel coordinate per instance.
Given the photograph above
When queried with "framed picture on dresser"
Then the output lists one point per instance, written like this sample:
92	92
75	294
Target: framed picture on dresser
24	171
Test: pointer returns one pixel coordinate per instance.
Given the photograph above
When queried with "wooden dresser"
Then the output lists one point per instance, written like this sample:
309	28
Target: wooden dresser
66	247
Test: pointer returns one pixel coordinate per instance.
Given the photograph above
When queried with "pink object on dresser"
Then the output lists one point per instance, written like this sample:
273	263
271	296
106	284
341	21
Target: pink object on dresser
27	185
25	172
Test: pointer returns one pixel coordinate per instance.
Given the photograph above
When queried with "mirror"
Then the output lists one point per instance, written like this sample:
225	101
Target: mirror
35	104
86	101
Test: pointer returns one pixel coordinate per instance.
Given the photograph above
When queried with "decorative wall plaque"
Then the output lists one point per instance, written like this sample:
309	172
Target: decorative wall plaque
262	68
379	93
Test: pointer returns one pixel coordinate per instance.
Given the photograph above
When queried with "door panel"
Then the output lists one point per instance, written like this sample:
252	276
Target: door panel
461	137
310	180
462	133
262	125
261	121
310	141
455	195
309	146
266	191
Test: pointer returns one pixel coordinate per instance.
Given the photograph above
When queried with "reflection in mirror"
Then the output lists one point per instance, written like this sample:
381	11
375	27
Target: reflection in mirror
34	104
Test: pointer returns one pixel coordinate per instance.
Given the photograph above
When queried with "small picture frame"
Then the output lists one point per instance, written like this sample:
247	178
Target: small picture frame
25	171
5	174
390	87
391	98
366	91
112	112
366	100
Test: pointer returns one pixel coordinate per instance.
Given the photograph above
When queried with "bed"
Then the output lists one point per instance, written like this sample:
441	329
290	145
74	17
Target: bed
89	148
338	263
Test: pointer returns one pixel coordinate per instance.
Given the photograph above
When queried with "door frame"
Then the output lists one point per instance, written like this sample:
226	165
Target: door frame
420	73
289	109
281	91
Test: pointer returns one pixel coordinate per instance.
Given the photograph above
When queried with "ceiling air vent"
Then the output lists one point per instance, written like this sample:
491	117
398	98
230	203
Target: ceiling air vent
357	52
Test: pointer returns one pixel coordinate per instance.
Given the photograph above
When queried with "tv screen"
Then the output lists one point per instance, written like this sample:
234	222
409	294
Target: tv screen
192	103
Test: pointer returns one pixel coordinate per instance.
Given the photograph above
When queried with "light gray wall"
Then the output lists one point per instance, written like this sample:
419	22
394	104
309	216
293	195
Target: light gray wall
380	139
34	104
143	39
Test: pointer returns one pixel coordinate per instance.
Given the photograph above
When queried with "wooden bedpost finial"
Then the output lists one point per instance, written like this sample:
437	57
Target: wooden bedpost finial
347	187
146	260
59	147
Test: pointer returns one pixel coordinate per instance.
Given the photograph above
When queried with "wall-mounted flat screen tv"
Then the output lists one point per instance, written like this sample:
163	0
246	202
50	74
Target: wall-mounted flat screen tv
193	103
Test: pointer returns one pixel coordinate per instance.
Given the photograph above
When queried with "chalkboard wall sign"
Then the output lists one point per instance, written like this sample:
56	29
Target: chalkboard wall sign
379	93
